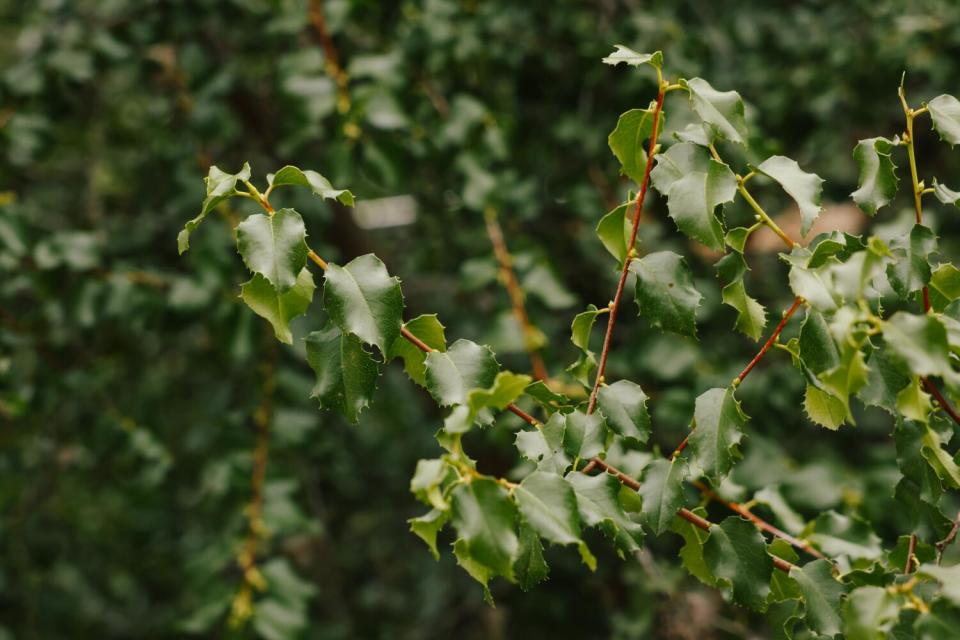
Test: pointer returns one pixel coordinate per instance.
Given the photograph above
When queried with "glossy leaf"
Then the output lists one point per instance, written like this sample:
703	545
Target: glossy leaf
945	113
751	316
279	309
429	330
274	246
549	505
427	526
451	375
721	111
945	194
346	374
805	188
839	535
665	292
717	432
290	175
628	141
584	436
911	272
624	405
877	185
220	186
363	299
615	228
599	506
529	569
736	553
822	596
662	492
580	330
486	520
868	613
629	56
544	446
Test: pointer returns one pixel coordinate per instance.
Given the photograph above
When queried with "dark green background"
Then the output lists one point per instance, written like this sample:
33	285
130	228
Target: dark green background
129	376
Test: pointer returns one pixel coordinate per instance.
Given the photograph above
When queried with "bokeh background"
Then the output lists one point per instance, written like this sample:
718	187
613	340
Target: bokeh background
130	378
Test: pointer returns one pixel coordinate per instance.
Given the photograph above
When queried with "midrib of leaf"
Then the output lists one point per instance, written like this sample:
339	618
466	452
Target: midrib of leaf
366	305
545	507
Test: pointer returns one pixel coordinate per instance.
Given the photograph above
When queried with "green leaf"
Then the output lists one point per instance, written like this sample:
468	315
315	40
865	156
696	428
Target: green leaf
549	505
279	309
944	286
599	506
530	569
824	408
737	238
547	398
945	112
718	429
691	554
451	375
544	446
946	195
428	480
948	577
274	246
697	133
736	553
822	596
346	373
312	180
805	188
585	436
363	299
627	141
220	186
427	526
838	535
665	292
942	463
506	388
877	186
695	185
940	623
911	439
614	230
477	570
751	316
580	330
486	520
912	271
721	111
920	341
868	613
429	330
632	58
624	406
885	378
813	284
913	403
662	492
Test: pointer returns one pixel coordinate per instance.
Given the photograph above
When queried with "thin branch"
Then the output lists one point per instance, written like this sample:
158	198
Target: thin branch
911	549
509	279
943	544
615	305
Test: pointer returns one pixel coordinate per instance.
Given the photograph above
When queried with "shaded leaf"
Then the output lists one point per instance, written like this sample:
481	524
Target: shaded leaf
822	596
624	405
945	113
665	292
599	506
662	492
805	188
290	175
718	429
877	185
363	299
274	246
736	553
279	309
429	330
346	374
220	186
627	141
721	111
486	519
451	375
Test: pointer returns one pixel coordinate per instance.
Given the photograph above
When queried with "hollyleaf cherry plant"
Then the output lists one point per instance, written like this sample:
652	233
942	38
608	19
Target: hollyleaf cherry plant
881	326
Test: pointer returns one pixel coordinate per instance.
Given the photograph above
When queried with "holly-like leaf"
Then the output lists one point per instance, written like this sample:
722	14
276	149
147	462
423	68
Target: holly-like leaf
945	194
824	408
451	375
580	330
721	111
868	613
665	292
691	554
628	138
877	186
945	113
486	521
812	283
428	329
944	286
942	463
585	436
427	526
549	505
632	58
599	506
274	246
290	175
911	271
220	186
279	308
529	569
346	372
718	429
805	188
506	388
948	577
736	553
920	341
474	568
363	299
751	316
822	596
548	399
695	185
697	133
428	480
624	405
886	377
662	492
544	446
911	438
615	228
839	535
913	403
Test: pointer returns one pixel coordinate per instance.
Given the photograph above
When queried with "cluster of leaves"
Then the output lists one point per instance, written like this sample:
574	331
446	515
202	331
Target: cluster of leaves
847	346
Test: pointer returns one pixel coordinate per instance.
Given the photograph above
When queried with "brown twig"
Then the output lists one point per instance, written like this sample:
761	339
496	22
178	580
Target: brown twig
911	549
509	280
638	210
951	536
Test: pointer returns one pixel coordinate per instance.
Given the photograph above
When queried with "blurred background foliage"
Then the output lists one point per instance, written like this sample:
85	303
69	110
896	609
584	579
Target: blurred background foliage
130	378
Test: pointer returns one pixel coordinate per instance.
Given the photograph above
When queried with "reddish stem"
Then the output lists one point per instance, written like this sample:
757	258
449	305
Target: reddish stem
911	549
615	305
773	338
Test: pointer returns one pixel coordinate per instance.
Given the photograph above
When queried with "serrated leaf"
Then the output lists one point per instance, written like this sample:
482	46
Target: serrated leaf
868	613
428	480
544	446
942	463
805	188
885	379
451	375
921	343
877	185
627	141
911	438
363	299
662	492
721	111
945	194
911	271
290	175
220	186
718	429
279	309
691	554
547	398
580	330
476	570
429	330
549	505
599	506
274	246
697	133
346	374
948	577
839	535
813	284
486	520
736	553
737	237
614	230
822	596
941	622
945	113
751	316
824	408
695	185
427	526
506	388
913	403
632	58
584	436
624	405
530	569
665	292
944	286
